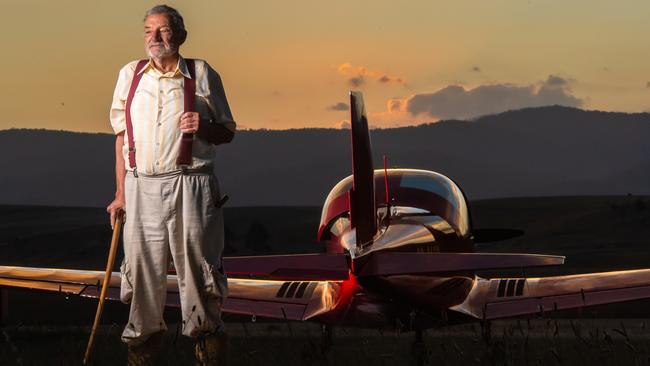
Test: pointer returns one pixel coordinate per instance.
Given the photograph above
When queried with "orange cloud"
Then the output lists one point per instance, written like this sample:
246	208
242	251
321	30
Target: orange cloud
343	125
359	76
397	115
340	106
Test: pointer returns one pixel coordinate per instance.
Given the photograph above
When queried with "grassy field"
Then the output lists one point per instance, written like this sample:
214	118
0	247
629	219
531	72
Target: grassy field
522	342
595	233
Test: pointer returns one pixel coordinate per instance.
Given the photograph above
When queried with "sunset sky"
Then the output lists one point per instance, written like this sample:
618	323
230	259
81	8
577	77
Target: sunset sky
290	64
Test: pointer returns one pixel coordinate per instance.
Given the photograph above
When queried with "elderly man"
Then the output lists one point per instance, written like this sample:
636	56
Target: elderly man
168	113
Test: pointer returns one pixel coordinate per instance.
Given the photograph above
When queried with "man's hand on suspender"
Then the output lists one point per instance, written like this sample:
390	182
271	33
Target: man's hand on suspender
189	122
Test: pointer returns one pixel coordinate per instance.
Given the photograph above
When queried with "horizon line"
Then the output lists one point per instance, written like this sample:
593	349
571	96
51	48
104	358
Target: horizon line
371	127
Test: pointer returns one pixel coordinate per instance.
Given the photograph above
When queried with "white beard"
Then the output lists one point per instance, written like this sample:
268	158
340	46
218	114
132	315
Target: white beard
162	51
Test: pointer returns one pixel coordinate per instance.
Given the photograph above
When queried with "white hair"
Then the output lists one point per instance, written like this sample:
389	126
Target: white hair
175	18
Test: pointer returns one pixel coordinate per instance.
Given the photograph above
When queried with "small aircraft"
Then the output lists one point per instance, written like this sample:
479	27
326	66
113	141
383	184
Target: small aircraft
399	253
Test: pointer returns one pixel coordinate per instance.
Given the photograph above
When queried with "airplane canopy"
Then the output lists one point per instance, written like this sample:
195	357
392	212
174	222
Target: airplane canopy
422	189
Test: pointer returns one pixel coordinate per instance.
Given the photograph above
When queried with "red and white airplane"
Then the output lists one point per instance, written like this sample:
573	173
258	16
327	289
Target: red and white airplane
399	253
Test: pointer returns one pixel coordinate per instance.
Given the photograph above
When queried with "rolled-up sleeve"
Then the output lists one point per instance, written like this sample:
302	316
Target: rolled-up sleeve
118	106
217	101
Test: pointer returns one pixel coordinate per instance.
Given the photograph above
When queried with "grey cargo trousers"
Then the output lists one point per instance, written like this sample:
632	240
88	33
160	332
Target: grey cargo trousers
172	213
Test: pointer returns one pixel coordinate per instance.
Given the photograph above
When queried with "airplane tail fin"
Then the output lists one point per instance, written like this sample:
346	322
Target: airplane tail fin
363	212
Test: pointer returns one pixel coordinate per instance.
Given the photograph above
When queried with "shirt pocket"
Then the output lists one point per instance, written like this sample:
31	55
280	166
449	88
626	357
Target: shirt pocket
174	97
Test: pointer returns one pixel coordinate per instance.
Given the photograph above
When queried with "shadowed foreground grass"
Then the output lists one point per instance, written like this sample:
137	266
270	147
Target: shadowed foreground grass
519	342
595	233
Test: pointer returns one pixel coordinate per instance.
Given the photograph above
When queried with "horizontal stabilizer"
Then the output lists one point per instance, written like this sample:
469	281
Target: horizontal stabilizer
492	235
396	263
501	297
289	267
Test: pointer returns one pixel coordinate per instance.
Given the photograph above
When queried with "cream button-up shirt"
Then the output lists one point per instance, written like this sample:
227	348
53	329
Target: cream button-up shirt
156	112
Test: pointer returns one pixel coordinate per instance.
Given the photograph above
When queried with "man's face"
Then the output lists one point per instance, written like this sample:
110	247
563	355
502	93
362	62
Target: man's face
159	39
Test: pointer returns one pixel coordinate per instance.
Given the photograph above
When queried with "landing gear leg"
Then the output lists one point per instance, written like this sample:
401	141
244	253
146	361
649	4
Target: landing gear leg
486	331
326	339
420	353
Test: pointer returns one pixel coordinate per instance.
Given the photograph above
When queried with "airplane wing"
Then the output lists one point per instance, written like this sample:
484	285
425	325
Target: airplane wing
396	263
508	297
304	293
66	281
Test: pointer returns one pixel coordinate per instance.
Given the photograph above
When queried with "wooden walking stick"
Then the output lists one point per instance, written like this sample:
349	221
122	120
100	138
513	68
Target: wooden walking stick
107	279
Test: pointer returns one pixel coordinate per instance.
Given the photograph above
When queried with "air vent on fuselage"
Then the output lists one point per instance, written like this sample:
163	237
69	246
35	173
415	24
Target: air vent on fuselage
283	289
295	290
511	287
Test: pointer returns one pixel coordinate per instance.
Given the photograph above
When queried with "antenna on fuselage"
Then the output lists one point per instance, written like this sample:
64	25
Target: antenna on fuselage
387	193
363	212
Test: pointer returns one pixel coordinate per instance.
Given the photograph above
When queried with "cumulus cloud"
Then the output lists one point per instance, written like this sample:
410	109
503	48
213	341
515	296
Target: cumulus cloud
395	105
375	121
554	80
457	102
343	125
339	107
360	75
396	115
343	68
357	81
397	118
390	79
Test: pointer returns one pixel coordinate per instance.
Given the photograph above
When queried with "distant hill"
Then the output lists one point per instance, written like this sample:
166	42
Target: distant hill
529	152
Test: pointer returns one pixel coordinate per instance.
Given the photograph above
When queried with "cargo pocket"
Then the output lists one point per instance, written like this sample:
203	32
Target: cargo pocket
126	287
214	191
215	283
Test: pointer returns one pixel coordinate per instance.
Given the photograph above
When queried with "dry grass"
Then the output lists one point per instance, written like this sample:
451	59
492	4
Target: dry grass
596	233
519	342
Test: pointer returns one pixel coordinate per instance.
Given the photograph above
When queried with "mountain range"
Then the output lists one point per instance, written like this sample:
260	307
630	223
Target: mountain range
545	151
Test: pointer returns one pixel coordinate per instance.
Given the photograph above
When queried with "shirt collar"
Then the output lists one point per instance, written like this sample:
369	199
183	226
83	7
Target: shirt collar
181	67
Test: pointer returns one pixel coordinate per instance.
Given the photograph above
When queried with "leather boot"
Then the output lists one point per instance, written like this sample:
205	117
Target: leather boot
211	349
146	354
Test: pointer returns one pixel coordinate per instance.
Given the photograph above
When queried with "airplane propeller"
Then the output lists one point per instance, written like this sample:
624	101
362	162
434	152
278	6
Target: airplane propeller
362	196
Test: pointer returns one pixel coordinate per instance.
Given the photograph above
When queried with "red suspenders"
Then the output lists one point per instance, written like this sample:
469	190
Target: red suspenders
185	153
129	127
